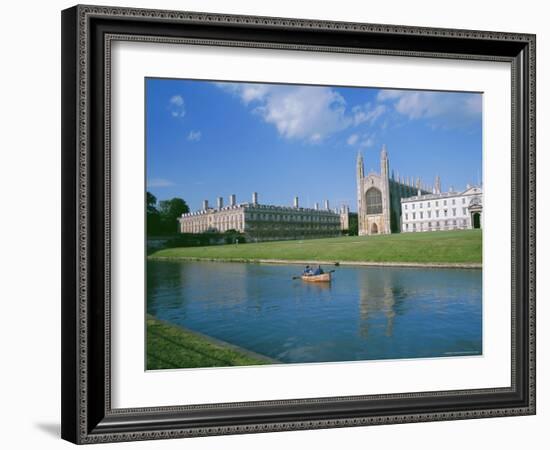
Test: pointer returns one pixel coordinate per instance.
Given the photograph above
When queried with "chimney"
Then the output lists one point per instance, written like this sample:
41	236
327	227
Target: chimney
296	205
326	205
232	200
205	205
317	205
255	198
220	202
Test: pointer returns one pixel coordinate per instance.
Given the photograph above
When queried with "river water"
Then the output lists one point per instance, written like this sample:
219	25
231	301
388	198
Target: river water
365	313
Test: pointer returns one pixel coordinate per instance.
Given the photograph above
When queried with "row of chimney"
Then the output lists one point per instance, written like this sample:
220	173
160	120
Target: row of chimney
233	202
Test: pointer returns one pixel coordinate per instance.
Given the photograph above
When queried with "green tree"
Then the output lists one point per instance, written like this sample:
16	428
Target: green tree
353	229
169	211
153	216
151	203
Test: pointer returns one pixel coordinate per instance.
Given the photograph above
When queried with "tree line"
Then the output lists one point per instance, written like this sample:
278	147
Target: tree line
162	216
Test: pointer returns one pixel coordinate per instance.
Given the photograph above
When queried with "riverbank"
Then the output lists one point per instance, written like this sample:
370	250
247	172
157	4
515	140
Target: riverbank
315	262
174	347
454	249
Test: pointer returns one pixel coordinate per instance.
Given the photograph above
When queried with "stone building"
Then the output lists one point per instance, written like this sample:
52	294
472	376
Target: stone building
263	222
379	197
443	211
344	217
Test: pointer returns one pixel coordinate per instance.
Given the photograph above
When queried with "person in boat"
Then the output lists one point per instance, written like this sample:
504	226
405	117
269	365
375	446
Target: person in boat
308	271
318	271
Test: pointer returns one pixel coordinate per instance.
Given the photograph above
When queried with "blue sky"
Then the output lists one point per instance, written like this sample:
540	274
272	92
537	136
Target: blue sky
207	139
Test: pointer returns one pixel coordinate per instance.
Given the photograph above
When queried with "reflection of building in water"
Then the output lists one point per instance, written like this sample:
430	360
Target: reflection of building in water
377	297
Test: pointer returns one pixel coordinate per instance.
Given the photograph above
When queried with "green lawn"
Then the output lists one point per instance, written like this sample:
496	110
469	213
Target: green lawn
430	247
171	347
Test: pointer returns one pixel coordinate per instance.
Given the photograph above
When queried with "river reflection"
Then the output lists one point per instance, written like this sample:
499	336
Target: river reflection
364	314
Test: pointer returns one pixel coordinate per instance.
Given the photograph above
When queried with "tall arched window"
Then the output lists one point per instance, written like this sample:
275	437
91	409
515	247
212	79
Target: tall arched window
374	201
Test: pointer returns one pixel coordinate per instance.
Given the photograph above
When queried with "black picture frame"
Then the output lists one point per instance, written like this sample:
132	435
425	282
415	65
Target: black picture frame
87	416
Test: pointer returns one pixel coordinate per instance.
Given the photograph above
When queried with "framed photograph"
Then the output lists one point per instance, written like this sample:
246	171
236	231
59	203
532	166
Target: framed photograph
280	224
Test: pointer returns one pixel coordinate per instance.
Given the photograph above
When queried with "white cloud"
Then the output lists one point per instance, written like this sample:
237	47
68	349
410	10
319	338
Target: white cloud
176	106
364	140
368	141
473	104
177	100
352	140
442	108
367	113
159	183
247	92
386	94
194	136
305	112
309	113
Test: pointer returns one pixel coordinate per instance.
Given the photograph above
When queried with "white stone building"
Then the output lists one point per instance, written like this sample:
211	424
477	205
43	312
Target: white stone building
443	211
264	222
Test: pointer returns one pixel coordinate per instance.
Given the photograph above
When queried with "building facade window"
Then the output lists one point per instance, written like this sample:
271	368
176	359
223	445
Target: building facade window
374	201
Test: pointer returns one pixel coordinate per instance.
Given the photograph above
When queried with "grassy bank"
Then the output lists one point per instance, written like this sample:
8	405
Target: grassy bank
172	347
453	247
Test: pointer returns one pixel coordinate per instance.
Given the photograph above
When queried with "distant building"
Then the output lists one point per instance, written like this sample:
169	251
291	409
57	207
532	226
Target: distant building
264	222
379	197
390	204
443	211
344	217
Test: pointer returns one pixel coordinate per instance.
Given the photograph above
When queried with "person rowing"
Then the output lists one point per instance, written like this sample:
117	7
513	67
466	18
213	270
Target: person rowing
308	271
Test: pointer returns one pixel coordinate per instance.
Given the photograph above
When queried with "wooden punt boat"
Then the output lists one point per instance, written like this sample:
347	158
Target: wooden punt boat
324	277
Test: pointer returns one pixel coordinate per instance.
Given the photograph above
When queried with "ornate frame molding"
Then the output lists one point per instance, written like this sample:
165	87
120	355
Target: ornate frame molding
85	421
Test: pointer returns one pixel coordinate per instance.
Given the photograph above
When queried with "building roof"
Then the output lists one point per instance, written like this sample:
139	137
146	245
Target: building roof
288	209
469	191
